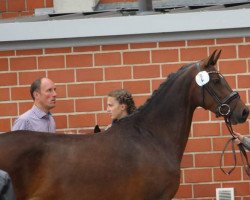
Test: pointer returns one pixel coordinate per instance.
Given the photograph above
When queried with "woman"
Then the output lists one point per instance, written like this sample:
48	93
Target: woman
120	104
242	139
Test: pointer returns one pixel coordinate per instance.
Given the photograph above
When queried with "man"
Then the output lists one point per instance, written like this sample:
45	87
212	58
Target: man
6	188
39	118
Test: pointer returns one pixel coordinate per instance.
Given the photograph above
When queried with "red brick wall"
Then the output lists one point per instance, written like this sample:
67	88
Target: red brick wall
15	8
84	75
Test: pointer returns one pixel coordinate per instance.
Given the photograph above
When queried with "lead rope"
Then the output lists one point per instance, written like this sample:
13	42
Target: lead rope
241	148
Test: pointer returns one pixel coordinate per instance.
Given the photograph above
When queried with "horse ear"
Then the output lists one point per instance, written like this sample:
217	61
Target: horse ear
213	58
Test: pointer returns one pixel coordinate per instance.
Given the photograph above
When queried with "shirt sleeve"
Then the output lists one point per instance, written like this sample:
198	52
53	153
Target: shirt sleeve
246	143
21	124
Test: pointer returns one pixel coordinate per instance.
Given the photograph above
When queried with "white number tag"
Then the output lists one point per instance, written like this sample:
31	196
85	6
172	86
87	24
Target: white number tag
202	78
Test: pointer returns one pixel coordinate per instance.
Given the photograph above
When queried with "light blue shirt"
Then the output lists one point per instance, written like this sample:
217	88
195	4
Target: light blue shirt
35	120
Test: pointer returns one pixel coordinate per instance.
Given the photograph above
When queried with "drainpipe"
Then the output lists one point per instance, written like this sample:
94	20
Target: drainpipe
145	5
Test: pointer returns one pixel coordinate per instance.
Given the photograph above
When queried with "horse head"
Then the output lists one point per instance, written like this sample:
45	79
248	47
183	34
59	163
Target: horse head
215	93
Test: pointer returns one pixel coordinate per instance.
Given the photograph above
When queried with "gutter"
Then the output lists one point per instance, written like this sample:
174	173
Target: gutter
125	29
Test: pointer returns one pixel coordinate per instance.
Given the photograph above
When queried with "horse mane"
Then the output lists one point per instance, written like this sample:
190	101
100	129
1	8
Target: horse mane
169	80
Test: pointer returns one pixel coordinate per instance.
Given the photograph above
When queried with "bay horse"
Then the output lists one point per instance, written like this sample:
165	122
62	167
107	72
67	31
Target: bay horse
138	158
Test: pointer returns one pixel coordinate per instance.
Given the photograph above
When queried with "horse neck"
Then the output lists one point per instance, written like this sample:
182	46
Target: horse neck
169	114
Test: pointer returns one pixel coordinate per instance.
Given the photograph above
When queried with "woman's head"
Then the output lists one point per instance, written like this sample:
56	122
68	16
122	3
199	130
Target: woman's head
120	103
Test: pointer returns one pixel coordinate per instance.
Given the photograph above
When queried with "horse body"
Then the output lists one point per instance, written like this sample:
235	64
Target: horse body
137	158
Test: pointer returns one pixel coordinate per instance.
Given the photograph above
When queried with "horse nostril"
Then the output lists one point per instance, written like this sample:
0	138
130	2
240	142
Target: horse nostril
245	113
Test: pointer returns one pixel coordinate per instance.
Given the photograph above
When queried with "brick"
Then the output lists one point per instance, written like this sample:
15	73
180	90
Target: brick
193	54
47	62
10	15
220	176
240	189
7	53
244	51
219	143
229	40
90	74
136	87
204	129
26	78
244	81
200	115
197	175
31	5
64	106
88	105
8	109
20	93
228	157
4	66
58	50
184	191
61	91
29	52
81	120
231	80
198	145
23	63
187	161
103	119
118	73
241	128
86	49
5	125
156	84
143	45
24	106
227	51
81	60
3	7
80	90
16	5
140	100
161	56
105	88
169	68
137	57
8	79
61	121
207	159
49	3
105	59
4	94
114	47
205	190
233	67
203	42
172	44
147	71
62	76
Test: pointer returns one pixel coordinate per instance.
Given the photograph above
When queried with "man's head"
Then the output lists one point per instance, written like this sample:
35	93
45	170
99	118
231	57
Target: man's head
43	92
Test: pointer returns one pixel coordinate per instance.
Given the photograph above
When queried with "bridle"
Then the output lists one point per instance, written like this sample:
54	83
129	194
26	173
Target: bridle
224	110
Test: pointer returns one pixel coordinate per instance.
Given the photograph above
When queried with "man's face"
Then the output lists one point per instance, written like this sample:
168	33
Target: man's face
45	98
115	109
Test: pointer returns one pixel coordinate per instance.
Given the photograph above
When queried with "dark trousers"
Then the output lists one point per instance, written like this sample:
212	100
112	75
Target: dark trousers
6	188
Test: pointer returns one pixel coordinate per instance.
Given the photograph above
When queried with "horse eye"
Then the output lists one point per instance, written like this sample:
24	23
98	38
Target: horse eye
216	81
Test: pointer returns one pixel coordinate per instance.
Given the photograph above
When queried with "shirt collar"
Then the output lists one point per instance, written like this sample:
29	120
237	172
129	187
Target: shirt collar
40	113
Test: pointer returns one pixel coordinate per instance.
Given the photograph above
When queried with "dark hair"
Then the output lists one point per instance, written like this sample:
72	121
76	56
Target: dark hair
36	85
124	97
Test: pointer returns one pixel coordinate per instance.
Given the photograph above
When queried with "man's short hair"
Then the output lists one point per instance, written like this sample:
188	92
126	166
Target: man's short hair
35	86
